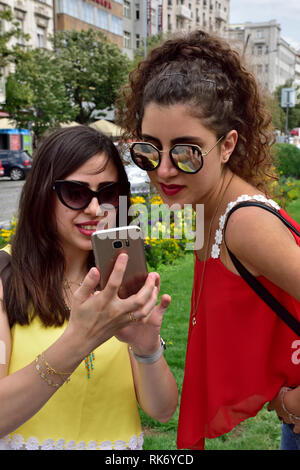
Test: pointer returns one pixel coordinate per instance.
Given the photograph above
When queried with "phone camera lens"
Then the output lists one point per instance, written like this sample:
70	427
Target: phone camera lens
117	244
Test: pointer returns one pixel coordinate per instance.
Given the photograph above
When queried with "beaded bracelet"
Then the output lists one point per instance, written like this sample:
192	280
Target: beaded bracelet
291	416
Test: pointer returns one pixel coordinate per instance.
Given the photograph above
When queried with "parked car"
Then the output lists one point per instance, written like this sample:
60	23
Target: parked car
1	169
16	163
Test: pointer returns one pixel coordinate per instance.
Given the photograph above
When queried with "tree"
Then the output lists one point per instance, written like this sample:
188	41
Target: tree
93	69
294	113
278	115
35	94
7	52
152	42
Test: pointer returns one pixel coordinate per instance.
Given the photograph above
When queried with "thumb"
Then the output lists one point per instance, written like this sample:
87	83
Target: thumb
88	286
164	303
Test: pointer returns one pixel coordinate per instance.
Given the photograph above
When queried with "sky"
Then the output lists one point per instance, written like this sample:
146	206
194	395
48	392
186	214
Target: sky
285	12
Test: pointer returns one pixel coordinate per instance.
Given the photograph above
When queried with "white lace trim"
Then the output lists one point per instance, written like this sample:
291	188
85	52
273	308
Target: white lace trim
215	250
17	442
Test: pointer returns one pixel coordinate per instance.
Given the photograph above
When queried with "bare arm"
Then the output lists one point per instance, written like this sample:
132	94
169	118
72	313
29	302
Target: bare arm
93	320
155	386
266	247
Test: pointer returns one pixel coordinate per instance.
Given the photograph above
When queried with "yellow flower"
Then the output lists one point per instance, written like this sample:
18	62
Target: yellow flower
137	200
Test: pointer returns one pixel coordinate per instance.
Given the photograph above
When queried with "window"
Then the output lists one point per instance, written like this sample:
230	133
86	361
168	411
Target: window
259	50
70	7
153	17
116	25
126	9
102	19
88	13
259	33
127	40
41	37
137	41
169	23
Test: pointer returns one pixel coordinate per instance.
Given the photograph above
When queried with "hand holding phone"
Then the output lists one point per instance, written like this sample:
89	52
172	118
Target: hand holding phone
108	244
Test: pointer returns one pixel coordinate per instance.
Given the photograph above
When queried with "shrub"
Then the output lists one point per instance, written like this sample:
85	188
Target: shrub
287	160
7	233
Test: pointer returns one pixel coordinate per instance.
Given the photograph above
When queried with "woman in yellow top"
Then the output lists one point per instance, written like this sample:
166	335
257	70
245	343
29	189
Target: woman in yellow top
68	379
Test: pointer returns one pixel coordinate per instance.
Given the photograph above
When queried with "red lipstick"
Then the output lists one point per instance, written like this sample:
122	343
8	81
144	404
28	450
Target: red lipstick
87	228
171	189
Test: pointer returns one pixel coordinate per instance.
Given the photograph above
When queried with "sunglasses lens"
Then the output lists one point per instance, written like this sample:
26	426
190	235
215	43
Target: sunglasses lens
187	158
145	156
110	195
74	195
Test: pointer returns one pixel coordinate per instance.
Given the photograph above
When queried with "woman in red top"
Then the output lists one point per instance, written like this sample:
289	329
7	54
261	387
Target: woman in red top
202	131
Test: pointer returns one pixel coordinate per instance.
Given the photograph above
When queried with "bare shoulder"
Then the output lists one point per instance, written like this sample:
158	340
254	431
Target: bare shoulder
257	228
5	338
265	246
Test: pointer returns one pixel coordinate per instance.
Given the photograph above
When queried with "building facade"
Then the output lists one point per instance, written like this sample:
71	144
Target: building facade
35	17
140	19
268	55
101	15
150	17
188	15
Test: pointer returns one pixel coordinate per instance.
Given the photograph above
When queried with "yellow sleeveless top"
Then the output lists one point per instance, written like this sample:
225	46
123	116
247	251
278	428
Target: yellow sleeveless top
96	413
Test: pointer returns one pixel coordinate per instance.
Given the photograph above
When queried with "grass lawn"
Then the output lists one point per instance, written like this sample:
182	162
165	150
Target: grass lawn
259	433
294	210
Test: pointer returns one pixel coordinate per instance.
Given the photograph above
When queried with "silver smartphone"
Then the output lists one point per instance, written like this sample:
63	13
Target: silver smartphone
108	244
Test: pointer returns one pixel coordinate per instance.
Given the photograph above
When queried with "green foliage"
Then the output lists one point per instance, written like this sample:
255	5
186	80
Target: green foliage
294	113
293	208
7	53
82	74
277	113
36	93
93	70
287	160
7	233
166	239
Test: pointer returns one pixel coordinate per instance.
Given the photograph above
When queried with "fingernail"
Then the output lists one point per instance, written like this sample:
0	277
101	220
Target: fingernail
152	275
93	273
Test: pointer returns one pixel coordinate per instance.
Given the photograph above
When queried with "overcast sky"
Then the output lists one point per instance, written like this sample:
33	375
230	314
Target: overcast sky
285	12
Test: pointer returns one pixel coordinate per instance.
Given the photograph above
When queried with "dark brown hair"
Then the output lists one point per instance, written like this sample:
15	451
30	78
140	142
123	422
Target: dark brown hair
203	72
37	259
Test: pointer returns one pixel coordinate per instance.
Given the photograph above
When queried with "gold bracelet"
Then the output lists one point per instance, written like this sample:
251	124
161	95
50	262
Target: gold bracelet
43	374
50	369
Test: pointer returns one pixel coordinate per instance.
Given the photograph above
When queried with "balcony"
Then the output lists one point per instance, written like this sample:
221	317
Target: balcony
221	15
184	12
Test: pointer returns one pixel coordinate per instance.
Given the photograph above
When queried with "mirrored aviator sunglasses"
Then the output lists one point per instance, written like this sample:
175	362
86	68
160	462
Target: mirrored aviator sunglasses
186	158
78	196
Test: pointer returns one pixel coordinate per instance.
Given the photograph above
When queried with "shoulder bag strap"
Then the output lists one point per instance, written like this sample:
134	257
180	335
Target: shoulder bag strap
263	293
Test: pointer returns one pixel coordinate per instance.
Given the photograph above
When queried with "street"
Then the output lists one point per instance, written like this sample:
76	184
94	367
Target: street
9	198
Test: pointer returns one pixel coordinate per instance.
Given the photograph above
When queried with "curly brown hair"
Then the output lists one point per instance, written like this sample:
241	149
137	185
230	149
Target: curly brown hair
205	73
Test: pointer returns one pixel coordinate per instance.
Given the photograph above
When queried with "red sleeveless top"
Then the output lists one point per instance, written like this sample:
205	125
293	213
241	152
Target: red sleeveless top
239	353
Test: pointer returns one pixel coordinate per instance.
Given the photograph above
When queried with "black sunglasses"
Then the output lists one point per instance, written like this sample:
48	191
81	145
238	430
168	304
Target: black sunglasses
187	158
77	196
